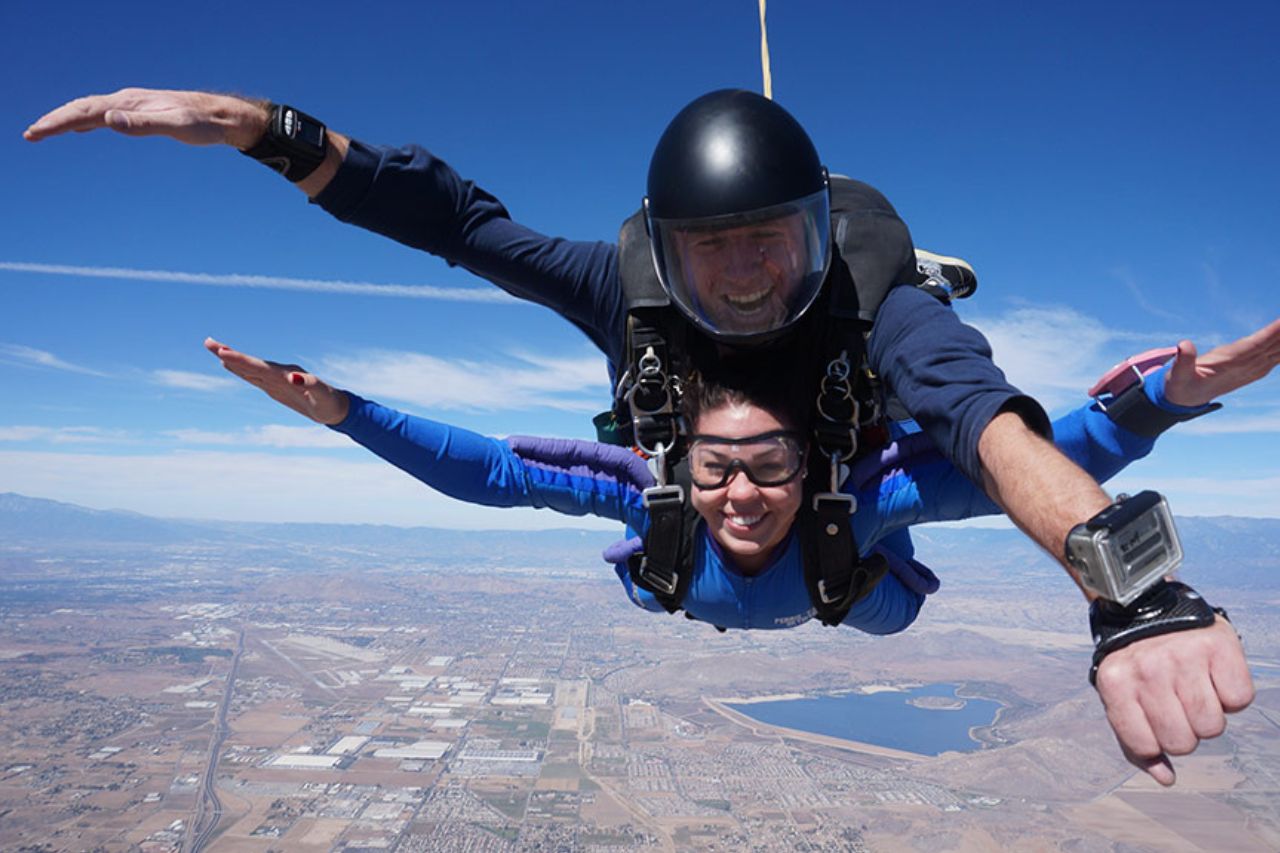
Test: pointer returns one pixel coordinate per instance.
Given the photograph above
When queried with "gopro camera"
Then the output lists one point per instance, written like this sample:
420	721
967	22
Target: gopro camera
1127	548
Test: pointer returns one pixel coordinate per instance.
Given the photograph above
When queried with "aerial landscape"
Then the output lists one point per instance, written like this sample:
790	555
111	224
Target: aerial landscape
273	275
172	686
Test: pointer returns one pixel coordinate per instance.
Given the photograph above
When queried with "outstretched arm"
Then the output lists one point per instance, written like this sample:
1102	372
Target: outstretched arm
195	118
574	478
1165	693
402	193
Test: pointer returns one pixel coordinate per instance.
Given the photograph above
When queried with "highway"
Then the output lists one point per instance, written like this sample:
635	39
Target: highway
208	809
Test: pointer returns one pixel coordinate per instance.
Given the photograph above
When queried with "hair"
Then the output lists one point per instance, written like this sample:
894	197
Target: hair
757	380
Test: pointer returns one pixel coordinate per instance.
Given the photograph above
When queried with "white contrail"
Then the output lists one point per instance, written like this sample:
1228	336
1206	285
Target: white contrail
354	288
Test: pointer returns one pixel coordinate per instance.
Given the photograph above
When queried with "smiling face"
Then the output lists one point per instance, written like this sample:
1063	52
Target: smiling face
745	279
747	520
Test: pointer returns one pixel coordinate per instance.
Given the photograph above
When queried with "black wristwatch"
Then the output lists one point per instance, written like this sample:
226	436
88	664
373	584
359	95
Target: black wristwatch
294	143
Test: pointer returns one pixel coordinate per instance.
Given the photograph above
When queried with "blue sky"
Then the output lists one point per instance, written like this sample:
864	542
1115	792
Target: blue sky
1110	171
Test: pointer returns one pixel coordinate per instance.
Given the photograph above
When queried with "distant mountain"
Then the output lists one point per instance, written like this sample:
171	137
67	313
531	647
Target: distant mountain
25	520
1238	552
1234	551
39	523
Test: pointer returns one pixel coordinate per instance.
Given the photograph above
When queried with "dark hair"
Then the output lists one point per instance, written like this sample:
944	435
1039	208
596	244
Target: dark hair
756	379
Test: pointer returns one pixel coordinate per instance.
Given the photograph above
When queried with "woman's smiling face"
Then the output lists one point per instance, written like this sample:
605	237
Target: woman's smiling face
747	520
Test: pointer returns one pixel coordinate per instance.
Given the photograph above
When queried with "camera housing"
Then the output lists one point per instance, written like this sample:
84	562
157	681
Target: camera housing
1126	548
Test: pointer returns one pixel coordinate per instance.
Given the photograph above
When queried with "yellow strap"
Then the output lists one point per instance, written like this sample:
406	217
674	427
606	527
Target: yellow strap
764	55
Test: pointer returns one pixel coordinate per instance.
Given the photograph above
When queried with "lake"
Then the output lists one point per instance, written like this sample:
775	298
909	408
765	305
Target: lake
927	720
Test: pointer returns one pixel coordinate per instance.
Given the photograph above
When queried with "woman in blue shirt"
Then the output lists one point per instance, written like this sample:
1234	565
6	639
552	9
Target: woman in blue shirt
746	459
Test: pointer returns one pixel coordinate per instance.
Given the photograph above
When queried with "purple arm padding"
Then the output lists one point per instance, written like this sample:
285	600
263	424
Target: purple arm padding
583	458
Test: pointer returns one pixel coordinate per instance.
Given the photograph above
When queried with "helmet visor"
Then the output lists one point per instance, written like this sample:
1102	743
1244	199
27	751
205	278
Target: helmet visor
745	275
769	459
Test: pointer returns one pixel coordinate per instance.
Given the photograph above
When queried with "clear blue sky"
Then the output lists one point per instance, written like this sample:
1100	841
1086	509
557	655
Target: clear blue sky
1109	169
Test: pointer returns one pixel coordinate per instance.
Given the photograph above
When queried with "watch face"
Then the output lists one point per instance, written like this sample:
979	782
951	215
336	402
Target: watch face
311	134
301	129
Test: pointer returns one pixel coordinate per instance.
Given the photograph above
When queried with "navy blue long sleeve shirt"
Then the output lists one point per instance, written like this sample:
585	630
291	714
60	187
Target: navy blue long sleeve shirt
938	367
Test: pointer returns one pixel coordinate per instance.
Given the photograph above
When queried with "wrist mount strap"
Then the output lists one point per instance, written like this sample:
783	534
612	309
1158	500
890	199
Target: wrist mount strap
1134	411
1167	607
294	143
1129	406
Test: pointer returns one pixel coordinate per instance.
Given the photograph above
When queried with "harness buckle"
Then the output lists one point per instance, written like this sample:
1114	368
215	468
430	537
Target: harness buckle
831	501
1138	383
653	418
666	586
661	497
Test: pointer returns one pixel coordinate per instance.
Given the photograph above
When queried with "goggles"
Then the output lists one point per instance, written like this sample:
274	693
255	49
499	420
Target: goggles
767	459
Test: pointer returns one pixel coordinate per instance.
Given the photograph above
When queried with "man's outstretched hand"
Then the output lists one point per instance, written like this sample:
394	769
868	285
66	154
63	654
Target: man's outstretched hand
287	384
1165	694
196	118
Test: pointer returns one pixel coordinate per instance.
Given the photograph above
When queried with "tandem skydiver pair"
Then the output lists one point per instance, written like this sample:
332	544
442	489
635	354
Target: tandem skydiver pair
738	281
746	561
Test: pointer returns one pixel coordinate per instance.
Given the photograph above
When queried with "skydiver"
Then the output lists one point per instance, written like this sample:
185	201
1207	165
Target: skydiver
746	459
937	367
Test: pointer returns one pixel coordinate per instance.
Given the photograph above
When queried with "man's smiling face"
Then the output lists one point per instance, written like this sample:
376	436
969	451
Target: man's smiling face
746	277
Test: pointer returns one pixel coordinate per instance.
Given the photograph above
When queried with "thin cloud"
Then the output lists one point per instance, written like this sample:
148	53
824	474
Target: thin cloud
1257	497
270	435
30	356
1052	353
189	381
576	385
259	487
1055	353
62	435
270	282
1243	315
1144	302
1226	424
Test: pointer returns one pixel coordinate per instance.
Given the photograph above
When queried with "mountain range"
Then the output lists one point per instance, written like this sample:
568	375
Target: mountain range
1240	552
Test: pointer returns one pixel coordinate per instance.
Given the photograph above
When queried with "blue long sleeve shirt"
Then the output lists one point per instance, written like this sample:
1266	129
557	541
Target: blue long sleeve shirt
907	483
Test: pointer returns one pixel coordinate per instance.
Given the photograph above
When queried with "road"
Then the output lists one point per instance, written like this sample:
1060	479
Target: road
208	811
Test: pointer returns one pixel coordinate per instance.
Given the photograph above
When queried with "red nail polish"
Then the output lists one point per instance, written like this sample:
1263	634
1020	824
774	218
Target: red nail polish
296	379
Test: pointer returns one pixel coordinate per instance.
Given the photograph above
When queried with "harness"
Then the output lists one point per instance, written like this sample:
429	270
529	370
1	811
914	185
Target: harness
872	252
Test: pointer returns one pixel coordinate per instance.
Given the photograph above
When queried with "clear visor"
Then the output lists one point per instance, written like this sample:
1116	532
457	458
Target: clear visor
769	459
746	274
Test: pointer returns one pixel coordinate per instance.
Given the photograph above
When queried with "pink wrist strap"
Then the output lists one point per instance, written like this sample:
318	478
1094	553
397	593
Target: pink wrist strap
1131	370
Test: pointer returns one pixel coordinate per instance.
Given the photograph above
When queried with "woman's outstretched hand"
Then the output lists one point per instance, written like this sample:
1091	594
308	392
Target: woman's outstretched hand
1198	379
287	384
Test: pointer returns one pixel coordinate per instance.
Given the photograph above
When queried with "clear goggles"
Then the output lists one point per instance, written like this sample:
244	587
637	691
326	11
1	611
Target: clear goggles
769	459
745	275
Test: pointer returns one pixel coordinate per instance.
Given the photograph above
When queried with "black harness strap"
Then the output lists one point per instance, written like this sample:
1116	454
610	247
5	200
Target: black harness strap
872	252
847	406
648	410
665	565
837	578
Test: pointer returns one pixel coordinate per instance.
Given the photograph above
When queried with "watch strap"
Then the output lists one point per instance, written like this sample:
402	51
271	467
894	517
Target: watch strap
289	144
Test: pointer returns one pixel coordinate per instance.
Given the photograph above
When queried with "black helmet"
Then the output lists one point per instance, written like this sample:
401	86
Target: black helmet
738	214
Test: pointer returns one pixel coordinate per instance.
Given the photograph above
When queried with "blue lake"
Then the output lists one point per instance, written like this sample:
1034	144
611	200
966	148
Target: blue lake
884	719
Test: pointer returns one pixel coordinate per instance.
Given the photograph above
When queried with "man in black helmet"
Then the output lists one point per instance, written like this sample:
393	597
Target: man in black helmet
743	271
739	216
